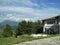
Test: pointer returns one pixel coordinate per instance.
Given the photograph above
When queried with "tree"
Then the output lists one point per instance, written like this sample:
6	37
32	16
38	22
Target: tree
30	27
38	26
7	32
21	28
27	27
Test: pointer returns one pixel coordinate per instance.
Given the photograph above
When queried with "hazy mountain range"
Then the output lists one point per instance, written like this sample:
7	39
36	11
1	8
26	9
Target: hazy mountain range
12	23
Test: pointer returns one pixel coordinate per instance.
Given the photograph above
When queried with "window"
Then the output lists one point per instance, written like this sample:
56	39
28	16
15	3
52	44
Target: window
51	22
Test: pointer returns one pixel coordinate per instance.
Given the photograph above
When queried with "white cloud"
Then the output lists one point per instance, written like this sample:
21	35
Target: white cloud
25	13
18	10
28	3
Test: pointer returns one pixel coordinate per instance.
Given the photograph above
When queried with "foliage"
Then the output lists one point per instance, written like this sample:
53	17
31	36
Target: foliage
22	38
1	33
13	40
23	27
38	26
7	32
30	27
20	28
27	27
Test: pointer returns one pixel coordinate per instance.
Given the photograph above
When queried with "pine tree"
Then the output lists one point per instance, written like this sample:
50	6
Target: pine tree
7	32
21	28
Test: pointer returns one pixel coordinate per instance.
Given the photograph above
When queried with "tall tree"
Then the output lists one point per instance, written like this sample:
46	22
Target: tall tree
38	26
7	32
21	28
30	27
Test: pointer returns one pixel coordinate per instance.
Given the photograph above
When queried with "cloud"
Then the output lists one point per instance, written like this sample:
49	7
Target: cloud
18	10
18	3
25	13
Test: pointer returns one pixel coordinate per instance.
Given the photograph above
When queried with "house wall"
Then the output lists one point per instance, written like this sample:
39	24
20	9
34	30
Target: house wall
52	27
59	24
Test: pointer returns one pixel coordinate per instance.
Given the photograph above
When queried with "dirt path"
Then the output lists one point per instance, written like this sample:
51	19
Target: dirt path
46	41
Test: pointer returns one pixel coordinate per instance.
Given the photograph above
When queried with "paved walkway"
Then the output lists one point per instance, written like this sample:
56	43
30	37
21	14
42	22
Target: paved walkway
46	41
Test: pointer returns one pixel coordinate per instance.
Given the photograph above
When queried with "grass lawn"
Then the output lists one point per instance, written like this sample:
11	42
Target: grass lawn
12	40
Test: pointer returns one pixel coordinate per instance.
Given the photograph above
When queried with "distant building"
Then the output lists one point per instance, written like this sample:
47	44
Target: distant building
52	25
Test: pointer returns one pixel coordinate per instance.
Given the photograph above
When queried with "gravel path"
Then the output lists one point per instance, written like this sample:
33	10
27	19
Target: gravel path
46	41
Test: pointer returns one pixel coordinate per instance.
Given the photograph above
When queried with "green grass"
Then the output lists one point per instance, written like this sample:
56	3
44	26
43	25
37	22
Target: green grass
1	33
12	40
23	38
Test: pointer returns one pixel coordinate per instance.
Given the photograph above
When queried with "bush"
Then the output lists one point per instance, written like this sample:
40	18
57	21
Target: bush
7	32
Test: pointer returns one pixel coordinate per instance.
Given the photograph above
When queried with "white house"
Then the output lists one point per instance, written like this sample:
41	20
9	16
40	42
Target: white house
52	25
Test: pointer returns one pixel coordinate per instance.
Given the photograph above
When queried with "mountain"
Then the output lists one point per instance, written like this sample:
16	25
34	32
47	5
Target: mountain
12	23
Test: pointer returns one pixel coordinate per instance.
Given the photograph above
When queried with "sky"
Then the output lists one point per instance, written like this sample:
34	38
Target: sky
29	10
